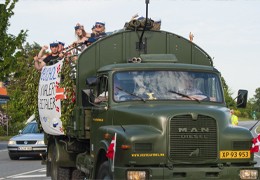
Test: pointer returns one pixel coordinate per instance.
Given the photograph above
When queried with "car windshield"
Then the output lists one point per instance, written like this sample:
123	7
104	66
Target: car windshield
31	128
167	85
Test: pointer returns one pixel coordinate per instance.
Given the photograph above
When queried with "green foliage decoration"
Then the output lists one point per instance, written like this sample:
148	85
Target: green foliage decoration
31	95
68	83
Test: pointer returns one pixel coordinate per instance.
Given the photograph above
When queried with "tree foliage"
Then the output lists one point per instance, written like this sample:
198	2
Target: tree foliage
257	100
11	64
24	84
227	94
9	44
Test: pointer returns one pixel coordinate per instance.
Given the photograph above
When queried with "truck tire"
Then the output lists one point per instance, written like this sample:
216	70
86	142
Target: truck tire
104	171
57	172
77	175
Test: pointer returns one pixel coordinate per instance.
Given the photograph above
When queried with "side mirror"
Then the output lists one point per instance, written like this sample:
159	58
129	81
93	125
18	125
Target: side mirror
242	98
87	94
91	81
20	131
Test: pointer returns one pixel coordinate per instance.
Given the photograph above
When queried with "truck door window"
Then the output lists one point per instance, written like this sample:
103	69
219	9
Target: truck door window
102	89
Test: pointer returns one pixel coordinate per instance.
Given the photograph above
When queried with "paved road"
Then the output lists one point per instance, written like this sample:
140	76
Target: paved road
23	169
3	145
249	125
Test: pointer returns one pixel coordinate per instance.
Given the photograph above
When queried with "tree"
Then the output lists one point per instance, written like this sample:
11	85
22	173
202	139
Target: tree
23	85
227	94
257	100
9	44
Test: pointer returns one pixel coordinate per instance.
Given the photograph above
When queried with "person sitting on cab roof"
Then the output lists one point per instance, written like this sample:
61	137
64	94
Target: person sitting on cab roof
97	33
156	24
39	62
81	35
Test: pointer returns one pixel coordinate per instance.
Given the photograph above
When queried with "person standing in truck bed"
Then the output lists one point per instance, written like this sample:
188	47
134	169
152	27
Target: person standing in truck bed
81	35
39	62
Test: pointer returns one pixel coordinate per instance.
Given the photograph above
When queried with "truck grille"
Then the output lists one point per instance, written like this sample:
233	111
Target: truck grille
193	140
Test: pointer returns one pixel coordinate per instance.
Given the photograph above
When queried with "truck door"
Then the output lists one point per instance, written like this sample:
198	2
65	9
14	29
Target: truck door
99	110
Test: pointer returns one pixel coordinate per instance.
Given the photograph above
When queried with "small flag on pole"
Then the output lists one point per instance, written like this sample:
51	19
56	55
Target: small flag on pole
256	144
111	151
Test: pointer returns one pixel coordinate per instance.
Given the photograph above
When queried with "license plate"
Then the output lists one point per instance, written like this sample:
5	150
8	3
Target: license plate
235	154
25	148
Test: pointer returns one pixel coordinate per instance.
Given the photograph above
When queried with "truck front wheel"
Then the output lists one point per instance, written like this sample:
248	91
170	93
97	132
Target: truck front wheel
57	172
104	171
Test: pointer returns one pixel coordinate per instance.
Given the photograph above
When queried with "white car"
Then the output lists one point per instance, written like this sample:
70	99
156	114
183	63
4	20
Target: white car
28	143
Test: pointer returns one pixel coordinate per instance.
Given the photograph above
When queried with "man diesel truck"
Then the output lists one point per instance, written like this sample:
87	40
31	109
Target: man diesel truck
148	105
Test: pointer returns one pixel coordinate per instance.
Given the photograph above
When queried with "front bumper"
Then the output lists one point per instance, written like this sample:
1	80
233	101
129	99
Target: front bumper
187	172
34	152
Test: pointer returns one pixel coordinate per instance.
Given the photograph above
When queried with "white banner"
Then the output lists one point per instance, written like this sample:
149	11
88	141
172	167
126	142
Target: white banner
49	102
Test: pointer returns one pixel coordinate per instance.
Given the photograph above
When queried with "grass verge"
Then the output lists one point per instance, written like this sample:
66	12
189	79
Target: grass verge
5	138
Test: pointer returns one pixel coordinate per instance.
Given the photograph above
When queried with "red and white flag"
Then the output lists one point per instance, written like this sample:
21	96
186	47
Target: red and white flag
256	143
60	94
111	151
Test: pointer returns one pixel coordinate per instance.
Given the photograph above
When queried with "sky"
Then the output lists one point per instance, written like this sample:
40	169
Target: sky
228	30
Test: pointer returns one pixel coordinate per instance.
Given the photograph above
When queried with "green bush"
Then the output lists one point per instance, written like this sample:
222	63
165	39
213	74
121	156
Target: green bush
15	127
2	131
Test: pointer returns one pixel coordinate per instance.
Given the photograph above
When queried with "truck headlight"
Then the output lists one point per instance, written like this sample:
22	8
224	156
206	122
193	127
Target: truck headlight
137	175
248	174
11	142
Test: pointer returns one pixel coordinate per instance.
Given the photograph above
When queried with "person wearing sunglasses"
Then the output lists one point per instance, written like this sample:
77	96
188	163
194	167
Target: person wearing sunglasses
50	59
98	31
100	27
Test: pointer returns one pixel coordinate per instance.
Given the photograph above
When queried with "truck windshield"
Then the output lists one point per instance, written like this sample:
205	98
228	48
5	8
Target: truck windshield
167	85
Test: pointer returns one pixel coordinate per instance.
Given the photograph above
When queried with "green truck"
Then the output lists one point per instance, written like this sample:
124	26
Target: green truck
150	105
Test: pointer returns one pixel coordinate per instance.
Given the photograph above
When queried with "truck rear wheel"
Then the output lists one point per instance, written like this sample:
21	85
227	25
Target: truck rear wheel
57	172
77	175
104	171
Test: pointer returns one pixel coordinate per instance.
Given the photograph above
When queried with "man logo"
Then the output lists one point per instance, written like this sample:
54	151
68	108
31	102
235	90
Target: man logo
25	142
193	130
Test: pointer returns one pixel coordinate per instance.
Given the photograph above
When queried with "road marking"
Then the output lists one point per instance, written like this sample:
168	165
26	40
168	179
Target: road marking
257	155
22	174
255	131
29	176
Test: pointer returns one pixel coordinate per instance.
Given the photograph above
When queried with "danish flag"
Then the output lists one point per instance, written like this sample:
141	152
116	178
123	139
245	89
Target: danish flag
256	143
60	94
111	151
